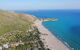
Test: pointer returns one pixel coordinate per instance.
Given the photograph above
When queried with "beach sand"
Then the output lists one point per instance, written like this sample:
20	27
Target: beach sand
49	40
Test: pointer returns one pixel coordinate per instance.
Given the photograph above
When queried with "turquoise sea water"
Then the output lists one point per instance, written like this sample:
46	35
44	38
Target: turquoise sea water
67	27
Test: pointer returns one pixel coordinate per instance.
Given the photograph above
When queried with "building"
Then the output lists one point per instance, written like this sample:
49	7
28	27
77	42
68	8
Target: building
0	48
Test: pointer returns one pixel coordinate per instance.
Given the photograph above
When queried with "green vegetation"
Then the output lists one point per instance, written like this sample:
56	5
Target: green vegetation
30	41
10	25
18	32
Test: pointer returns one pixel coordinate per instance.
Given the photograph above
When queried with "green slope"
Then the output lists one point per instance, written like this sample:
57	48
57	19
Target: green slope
12	24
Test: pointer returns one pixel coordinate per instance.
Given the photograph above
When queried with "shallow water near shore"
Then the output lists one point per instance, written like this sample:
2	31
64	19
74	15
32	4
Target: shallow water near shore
67	27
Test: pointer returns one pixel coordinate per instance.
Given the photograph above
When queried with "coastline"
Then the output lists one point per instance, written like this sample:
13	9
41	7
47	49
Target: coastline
49	40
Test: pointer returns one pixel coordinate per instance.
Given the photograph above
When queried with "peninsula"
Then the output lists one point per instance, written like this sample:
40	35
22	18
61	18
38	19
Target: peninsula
49	19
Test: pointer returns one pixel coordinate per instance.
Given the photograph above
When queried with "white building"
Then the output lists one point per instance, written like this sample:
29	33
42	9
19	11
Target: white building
0	48
6	46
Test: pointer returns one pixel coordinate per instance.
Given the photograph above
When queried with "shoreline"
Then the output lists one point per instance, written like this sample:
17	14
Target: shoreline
50	41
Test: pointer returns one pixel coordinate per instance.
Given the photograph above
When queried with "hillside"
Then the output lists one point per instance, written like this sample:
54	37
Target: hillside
18	33
12	24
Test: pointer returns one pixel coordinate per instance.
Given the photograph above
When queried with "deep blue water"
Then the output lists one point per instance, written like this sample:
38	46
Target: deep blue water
67	27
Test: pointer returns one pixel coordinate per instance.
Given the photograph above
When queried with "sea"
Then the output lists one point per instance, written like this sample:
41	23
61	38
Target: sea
66	28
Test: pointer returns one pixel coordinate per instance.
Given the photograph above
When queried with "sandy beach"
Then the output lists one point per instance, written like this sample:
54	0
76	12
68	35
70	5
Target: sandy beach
49	40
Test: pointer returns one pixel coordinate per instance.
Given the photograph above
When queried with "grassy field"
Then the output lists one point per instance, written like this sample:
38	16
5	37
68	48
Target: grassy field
12	24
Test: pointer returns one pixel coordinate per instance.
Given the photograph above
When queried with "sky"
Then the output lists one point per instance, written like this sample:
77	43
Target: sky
39	4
